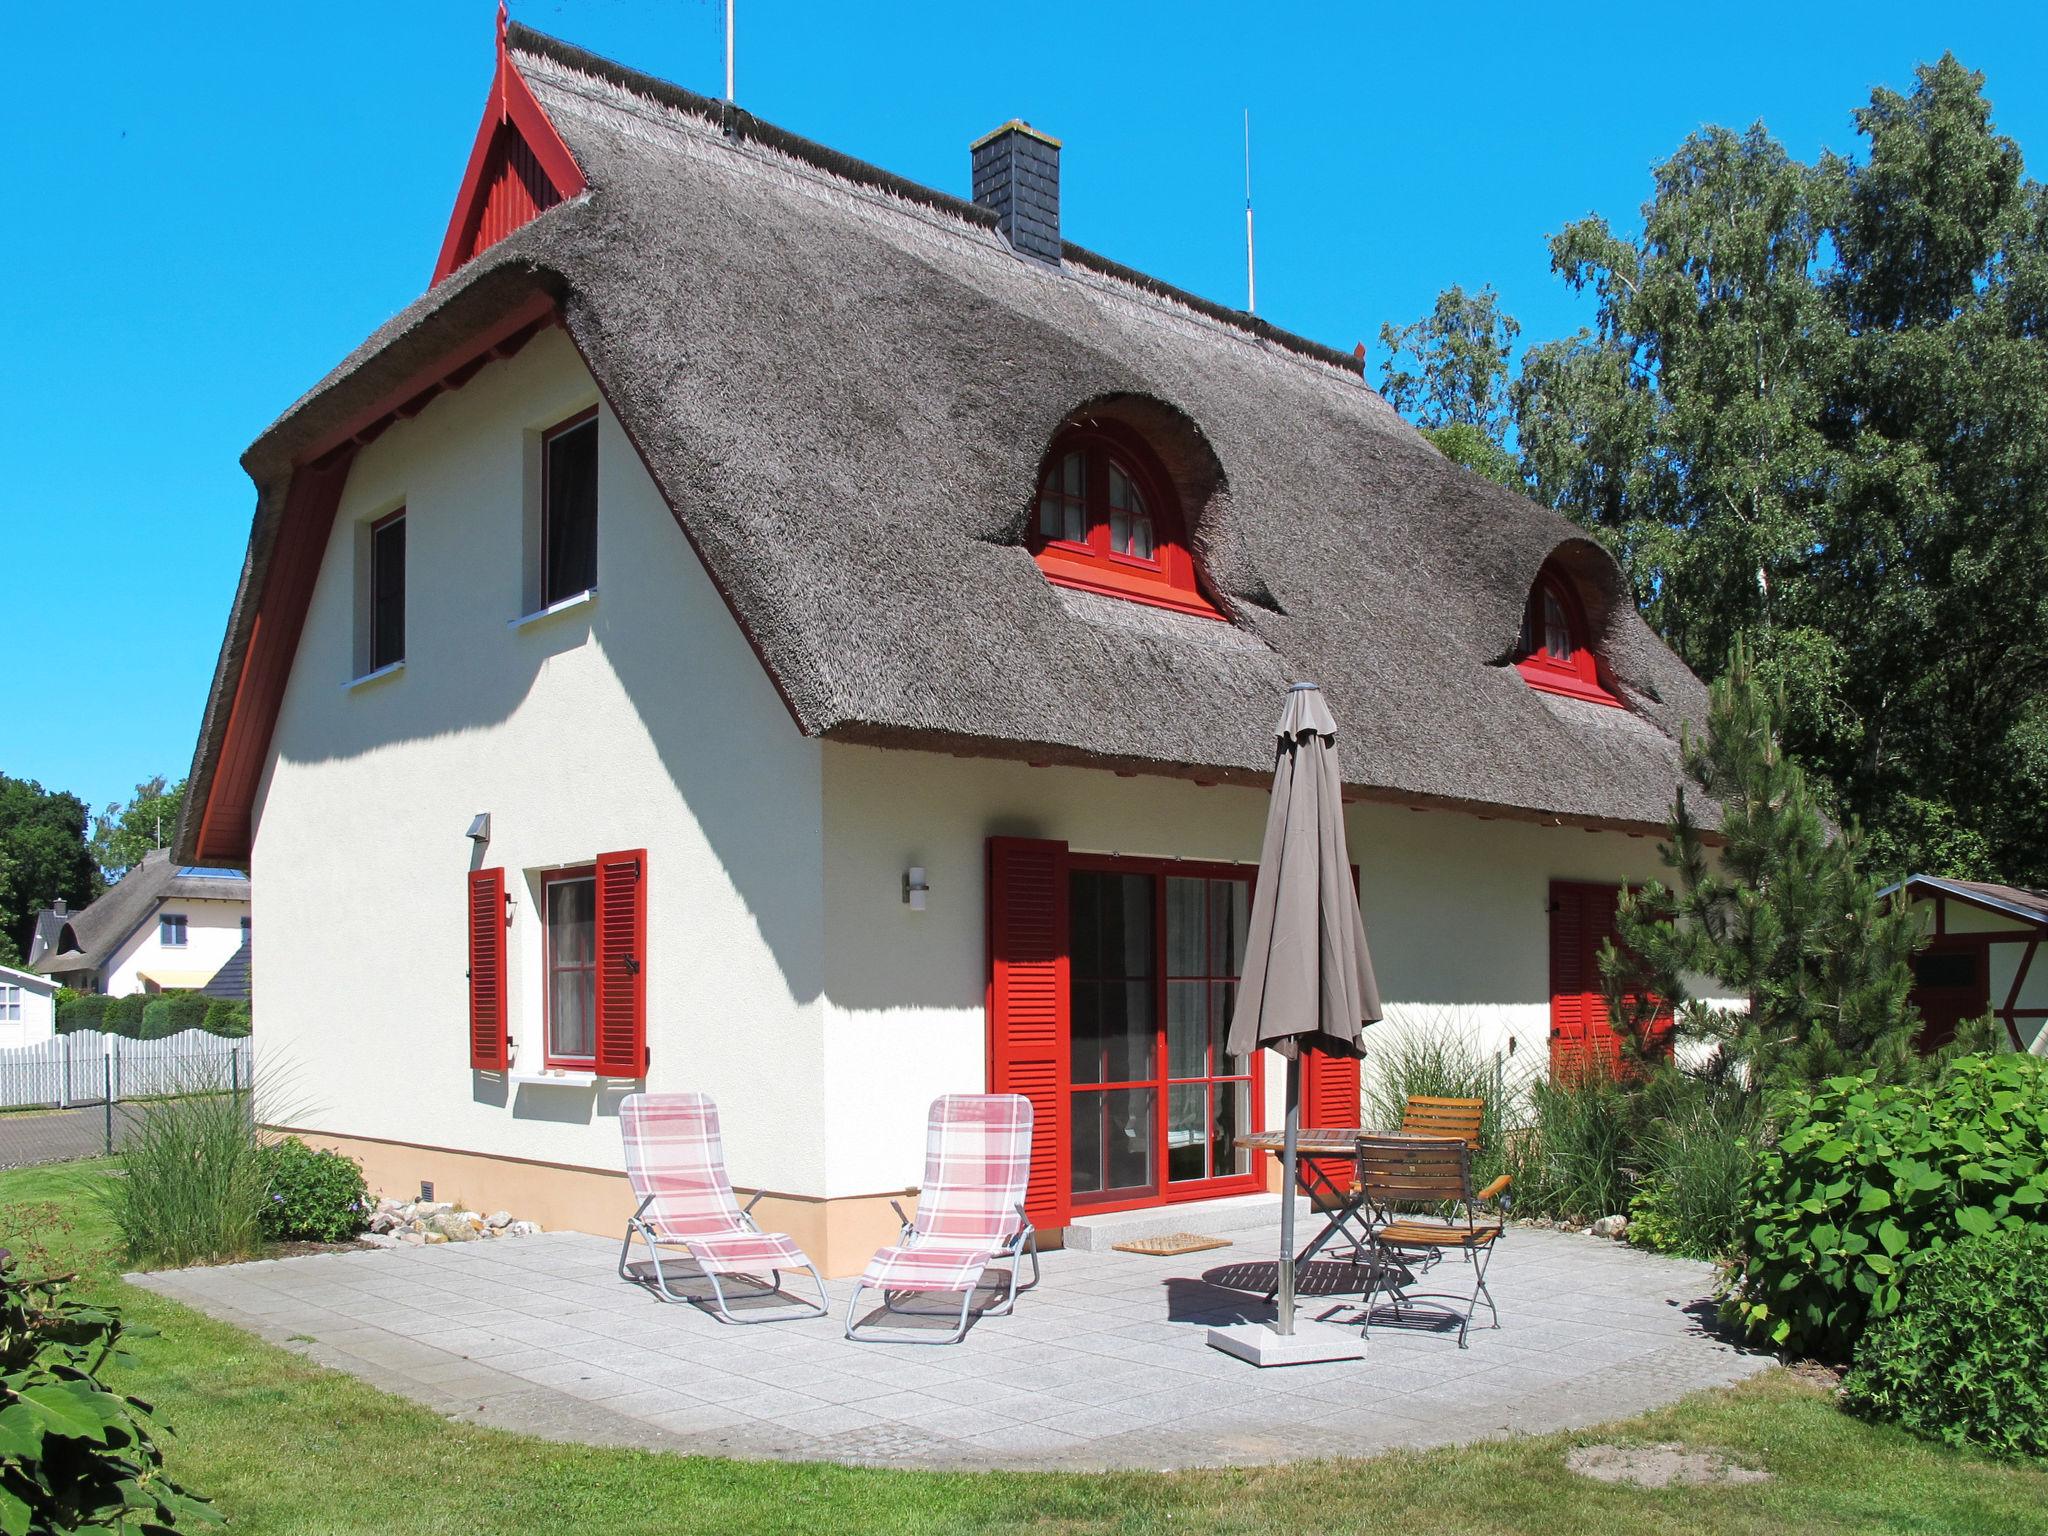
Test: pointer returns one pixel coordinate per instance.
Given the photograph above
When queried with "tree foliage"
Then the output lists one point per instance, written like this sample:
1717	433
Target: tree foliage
1811	415
43	857
1785	915
124	832
1449	371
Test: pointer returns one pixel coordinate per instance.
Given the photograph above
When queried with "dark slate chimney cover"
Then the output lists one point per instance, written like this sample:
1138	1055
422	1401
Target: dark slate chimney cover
1017	177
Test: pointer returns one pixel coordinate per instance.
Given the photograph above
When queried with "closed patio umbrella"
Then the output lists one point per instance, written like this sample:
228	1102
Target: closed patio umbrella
1307	982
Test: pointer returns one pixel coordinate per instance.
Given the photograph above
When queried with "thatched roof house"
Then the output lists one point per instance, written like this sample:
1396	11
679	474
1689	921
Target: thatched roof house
904	596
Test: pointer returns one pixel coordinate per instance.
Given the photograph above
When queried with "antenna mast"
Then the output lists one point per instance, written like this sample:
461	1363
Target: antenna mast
1251	271
728	52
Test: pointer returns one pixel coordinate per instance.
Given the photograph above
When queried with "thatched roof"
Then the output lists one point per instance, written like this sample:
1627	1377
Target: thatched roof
86	939
843	385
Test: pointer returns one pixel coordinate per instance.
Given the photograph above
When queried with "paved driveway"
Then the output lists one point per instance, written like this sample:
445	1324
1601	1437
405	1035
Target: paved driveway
1103	1366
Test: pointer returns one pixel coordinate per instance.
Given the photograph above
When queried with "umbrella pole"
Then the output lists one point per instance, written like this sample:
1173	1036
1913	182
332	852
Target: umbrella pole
1290	1135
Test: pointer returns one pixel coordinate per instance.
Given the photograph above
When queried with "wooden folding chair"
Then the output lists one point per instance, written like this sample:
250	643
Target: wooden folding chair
1401	1174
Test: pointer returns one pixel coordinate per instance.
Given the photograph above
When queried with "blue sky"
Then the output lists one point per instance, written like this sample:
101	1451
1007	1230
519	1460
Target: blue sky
212	205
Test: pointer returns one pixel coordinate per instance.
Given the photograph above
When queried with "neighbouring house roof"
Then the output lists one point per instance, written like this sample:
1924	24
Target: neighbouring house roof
843	384
232	979
89	937
2013	900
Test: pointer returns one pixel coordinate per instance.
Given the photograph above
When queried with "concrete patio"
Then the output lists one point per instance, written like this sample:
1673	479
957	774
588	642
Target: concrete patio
1103	1366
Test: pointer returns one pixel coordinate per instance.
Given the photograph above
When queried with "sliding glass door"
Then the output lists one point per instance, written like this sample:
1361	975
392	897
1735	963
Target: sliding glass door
1155	950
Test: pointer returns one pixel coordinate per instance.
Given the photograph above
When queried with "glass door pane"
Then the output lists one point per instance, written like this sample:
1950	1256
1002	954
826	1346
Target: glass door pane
1115	1027
1209	1089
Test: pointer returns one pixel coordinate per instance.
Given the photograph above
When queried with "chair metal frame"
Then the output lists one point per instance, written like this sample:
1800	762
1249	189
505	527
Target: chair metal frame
1024	1240
1399	1171
649	1234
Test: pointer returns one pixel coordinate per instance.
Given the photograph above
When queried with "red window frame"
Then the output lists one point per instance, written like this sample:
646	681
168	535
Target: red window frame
1164	1191
1577	674
1170	578
548	968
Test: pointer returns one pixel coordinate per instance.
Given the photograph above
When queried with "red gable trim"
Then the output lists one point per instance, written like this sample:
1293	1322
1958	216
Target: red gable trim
518	168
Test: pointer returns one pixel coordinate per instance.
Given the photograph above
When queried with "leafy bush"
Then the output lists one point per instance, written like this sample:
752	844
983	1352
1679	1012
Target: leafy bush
192	1184
75	1456
1867	1180
123	1015
171	1013
227	1017
316	1196
1964	1358
1698	1159
81	1010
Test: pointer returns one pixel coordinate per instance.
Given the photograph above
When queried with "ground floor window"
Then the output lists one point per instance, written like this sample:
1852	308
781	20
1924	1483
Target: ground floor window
1583	920
10	1004
1156	1101
569	910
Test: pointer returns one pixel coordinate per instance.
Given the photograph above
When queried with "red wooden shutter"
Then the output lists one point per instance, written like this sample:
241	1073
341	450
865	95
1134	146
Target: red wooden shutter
622	964
1029	1044
1330	1099
487	1043
1567	980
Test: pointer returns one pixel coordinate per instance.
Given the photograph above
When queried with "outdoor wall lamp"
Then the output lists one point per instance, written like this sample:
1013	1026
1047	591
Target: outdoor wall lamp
480	827
914	888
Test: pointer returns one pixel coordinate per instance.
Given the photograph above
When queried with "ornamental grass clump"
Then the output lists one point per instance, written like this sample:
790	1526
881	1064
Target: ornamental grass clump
191	1181
1964	1357
1866	1180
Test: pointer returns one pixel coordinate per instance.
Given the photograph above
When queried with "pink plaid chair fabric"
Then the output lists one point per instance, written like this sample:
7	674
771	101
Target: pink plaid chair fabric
676	1163
977	1165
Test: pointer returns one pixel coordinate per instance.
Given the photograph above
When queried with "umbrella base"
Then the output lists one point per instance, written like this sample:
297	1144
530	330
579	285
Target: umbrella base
1261	1345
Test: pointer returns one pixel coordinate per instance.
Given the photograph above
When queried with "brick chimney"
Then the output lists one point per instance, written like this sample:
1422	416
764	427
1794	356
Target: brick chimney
1017	177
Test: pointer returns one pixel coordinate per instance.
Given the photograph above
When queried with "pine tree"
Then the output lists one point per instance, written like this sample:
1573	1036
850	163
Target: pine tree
1783	915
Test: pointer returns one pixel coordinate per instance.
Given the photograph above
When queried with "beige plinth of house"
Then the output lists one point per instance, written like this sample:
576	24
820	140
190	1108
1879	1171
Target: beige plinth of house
840	1235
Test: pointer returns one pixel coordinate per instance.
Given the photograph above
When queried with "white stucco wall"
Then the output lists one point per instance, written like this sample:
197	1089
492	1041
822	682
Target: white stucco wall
213	932
37	999
1455	911
640	719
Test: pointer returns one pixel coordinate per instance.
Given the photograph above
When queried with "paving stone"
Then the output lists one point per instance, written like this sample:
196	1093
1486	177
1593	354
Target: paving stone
1104	1365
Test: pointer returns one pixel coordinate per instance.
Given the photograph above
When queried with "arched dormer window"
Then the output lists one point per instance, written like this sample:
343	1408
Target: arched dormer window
1105	520
1556	653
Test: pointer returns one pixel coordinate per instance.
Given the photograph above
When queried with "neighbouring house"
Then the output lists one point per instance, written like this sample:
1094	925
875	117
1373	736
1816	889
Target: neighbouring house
760	625
1980	958
162	926
28	1008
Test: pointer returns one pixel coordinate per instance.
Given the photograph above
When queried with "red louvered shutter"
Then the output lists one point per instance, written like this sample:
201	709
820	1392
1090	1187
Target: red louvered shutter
622	964
1028	1001
488	1047
1567	980
1330	1099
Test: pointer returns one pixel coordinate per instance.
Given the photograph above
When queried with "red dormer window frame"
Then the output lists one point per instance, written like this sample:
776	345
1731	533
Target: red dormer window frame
1557	655
1087	553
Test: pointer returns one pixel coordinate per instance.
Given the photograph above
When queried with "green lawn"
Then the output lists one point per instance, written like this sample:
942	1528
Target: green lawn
285	1446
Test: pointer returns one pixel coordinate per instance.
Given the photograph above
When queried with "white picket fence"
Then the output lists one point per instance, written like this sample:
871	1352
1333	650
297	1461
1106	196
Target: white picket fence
89	1068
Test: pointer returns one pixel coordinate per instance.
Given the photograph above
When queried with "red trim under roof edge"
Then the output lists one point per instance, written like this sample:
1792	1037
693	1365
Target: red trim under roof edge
512	106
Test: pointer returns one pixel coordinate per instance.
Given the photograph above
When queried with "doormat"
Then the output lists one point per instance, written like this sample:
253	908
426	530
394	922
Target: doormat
1171	1243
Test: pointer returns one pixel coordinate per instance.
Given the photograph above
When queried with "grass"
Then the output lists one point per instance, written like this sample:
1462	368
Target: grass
285	1446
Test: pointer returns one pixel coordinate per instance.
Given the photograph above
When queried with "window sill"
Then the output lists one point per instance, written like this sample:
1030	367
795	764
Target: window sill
389	669
1565	684
567	604
551	1077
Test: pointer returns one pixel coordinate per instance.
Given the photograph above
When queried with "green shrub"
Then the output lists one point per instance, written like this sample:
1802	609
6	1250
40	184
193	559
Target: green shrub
1574	1160
171	1013
192	1180
1698	1158
81	1010
315	1196
1964	1357
75	1456
123	1015
1865	1181
227	1017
